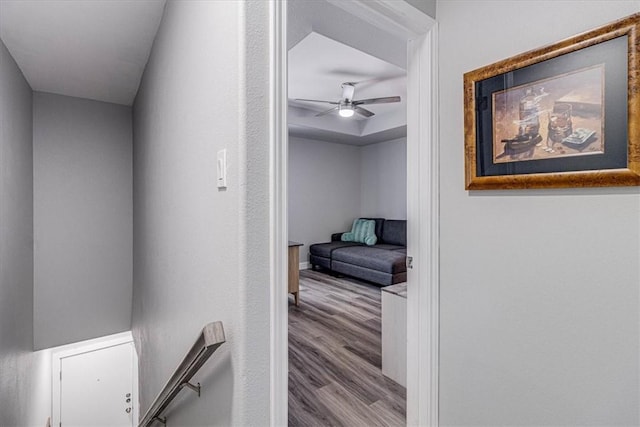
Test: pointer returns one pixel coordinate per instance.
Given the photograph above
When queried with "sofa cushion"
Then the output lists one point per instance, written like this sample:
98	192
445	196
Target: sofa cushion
378	229
371	257
379	225
377	277
320	261
325	249
394	232
389	247
363	231
337	237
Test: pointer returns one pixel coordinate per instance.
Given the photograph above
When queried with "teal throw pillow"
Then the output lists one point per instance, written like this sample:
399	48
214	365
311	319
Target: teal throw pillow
362	231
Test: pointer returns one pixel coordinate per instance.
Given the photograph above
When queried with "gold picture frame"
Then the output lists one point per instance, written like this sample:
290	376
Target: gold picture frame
565	115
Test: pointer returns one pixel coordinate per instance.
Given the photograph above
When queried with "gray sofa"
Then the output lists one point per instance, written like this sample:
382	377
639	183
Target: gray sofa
383	263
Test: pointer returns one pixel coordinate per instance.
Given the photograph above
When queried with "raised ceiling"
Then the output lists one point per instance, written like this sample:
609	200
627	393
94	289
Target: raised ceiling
318	66
95	49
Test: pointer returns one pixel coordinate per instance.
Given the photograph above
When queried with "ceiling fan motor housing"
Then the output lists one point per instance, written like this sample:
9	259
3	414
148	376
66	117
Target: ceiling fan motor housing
348	89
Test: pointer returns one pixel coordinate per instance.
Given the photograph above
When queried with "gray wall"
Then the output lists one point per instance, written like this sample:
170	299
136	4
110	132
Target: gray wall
332	184
383	180
82	219
201	254
539	288
426	6
304	16
17	364
324	190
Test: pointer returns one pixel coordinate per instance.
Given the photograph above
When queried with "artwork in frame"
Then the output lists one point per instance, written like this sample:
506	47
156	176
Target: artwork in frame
565	115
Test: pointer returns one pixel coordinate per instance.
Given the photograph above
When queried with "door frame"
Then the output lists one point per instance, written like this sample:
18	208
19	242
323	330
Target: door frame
400	19
78	348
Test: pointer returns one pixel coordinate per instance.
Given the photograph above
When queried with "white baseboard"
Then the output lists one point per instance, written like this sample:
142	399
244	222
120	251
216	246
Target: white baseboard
305	265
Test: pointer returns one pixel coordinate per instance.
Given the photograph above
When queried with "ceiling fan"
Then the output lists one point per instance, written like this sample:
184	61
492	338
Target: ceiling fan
346	107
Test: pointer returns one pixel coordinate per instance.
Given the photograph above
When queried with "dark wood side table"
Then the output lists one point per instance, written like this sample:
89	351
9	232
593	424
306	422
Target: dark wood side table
294	269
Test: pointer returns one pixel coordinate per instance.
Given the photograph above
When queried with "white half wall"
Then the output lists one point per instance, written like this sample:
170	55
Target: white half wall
324	190
539	289
383	179
83	218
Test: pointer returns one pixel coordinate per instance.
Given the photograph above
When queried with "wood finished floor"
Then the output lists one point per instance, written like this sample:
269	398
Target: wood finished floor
335	352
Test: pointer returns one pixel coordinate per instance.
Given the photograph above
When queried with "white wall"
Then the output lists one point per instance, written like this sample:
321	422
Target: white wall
539	288
201	254
82	219
383	180
324	190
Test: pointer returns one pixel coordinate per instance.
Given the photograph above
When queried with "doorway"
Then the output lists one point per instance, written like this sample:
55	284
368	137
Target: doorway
96	382
344	364
419	31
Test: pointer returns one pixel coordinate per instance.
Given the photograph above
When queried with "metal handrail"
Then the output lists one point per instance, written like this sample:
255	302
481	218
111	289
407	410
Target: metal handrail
211	337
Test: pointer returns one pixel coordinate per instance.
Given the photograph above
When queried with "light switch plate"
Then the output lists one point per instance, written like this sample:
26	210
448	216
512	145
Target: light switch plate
221	166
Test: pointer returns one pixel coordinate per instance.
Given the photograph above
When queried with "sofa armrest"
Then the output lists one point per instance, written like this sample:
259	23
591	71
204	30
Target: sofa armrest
336	237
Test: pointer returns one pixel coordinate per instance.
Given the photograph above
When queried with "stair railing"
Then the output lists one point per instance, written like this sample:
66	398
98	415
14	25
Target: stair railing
211	337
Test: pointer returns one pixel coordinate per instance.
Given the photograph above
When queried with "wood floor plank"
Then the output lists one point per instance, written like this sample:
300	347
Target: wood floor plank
335	375
350	328
305	409
388	413
363	352
347	407
311	373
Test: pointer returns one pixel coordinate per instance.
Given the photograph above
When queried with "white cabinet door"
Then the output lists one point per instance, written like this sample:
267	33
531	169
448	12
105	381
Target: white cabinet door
394	337
95	387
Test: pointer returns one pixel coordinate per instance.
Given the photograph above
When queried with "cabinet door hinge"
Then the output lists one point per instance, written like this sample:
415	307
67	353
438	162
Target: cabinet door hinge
409	262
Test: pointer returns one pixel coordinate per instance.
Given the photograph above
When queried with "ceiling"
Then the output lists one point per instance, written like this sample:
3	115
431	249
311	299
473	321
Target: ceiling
318	66
98	49
94	49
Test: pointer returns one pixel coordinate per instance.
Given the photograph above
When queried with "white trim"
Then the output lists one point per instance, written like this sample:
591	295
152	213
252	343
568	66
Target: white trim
69	350
397	18
304	265
423	233
278	145
400	19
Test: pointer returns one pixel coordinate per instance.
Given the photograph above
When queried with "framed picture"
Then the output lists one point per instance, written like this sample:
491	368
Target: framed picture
565	115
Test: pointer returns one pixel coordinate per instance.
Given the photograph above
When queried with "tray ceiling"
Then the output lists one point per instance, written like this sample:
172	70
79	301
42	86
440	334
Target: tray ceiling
318	66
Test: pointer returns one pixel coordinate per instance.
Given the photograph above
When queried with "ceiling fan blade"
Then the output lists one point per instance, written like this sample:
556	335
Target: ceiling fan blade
363	111
376	80
317	100
327	111
385	100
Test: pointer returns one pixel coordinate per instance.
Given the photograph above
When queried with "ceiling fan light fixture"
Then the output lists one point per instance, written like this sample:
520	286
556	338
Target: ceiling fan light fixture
346	110
347	106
